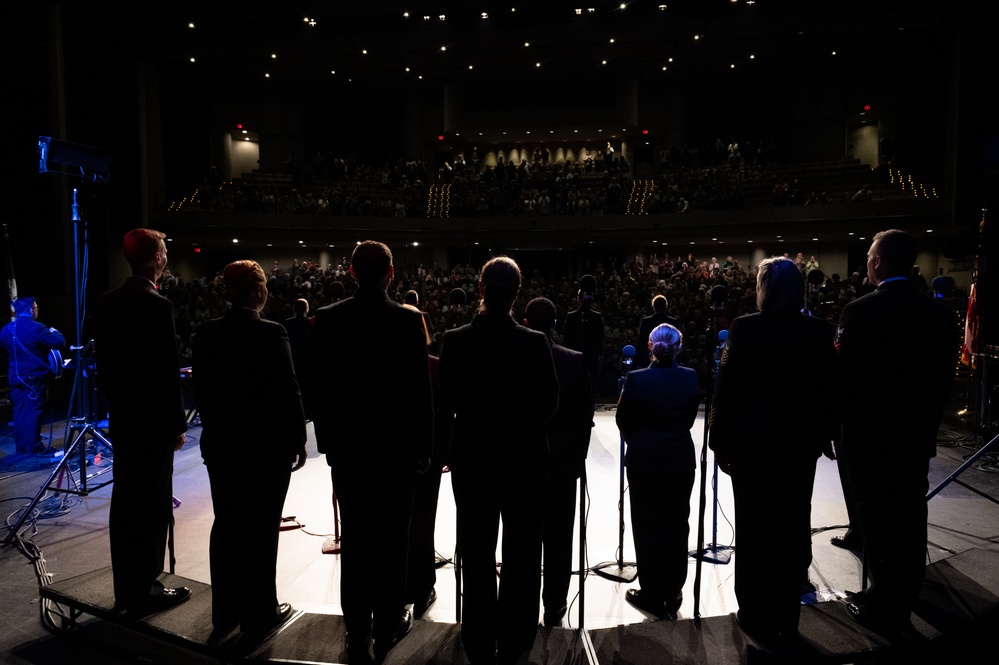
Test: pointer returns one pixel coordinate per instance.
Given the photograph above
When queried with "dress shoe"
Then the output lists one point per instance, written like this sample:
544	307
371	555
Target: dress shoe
848	541
264	628
757	628
157	602
553	618
384	644
252	635
419	609
653	608
893	631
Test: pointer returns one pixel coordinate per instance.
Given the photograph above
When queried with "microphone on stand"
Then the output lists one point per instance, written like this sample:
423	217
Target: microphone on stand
628	352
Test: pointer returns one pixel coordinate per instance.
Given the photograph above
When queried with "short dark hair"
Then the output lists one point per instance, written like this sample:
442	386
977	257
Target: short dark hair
897	250
23	305
370	262
540	314
140	247
500	280
780	286
301	306
411	297
659	303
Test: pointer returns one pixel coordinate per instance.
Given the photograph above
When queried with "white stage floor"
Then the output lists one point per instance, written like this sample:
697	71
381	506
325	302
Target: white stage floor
76	542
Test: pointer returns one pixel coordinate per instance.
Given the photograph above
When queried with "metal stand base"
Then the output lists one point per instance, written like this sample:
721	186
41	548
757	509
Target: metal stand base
77	449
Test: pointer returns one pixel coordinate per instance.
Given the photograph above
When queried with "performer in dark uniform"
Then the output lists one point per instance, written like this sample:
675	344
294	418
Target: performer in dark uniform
28	343
138	370
767	433
584	328
299	329
500	380
376	435
422	575
648	324
253	437
568	440
658	406
897	353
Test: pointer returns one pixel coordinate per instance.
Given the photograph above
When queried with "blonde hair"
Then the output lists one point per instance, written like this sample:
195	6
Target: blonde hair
780	286
666	342
242	280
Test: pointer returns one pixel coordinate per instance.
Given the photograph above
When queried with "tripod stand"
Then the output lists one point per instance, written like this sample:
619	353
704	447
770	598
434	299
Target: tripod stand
83	423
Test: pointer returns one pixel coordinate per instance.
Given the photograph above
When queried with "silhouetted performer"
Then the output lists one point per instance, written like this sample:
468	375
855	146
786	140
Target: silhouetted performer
897	353
584	328
373	419
500	380
568	440
648	324
767	433
422	576
28	343
138	369
299	329
253	437
658	406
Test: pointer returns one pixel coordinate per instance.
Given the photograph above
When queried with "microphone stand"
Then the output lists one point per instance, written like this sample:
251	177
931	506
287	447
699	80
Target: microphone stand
713	553
620	571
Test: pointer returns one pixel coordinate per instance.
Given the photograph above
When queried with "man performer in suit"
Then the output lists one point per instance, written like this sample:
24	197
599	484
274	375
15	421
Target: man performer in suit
500	380
139	371
568	440
28	343
897	352
584	328
375	441
299	328
648	324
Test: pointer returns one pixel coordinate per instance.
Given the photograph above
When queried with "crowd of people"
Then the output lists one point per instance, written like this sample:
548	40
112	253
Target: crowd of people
685	180
625	289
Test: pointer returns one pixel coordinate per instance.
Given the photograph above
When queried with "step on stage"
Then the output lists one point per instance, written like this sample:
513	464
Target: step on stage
958	605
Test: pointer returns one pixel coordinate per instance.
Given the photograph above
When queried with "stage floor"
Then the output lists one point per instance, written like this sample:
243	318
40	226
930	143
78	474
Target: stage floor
75	543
